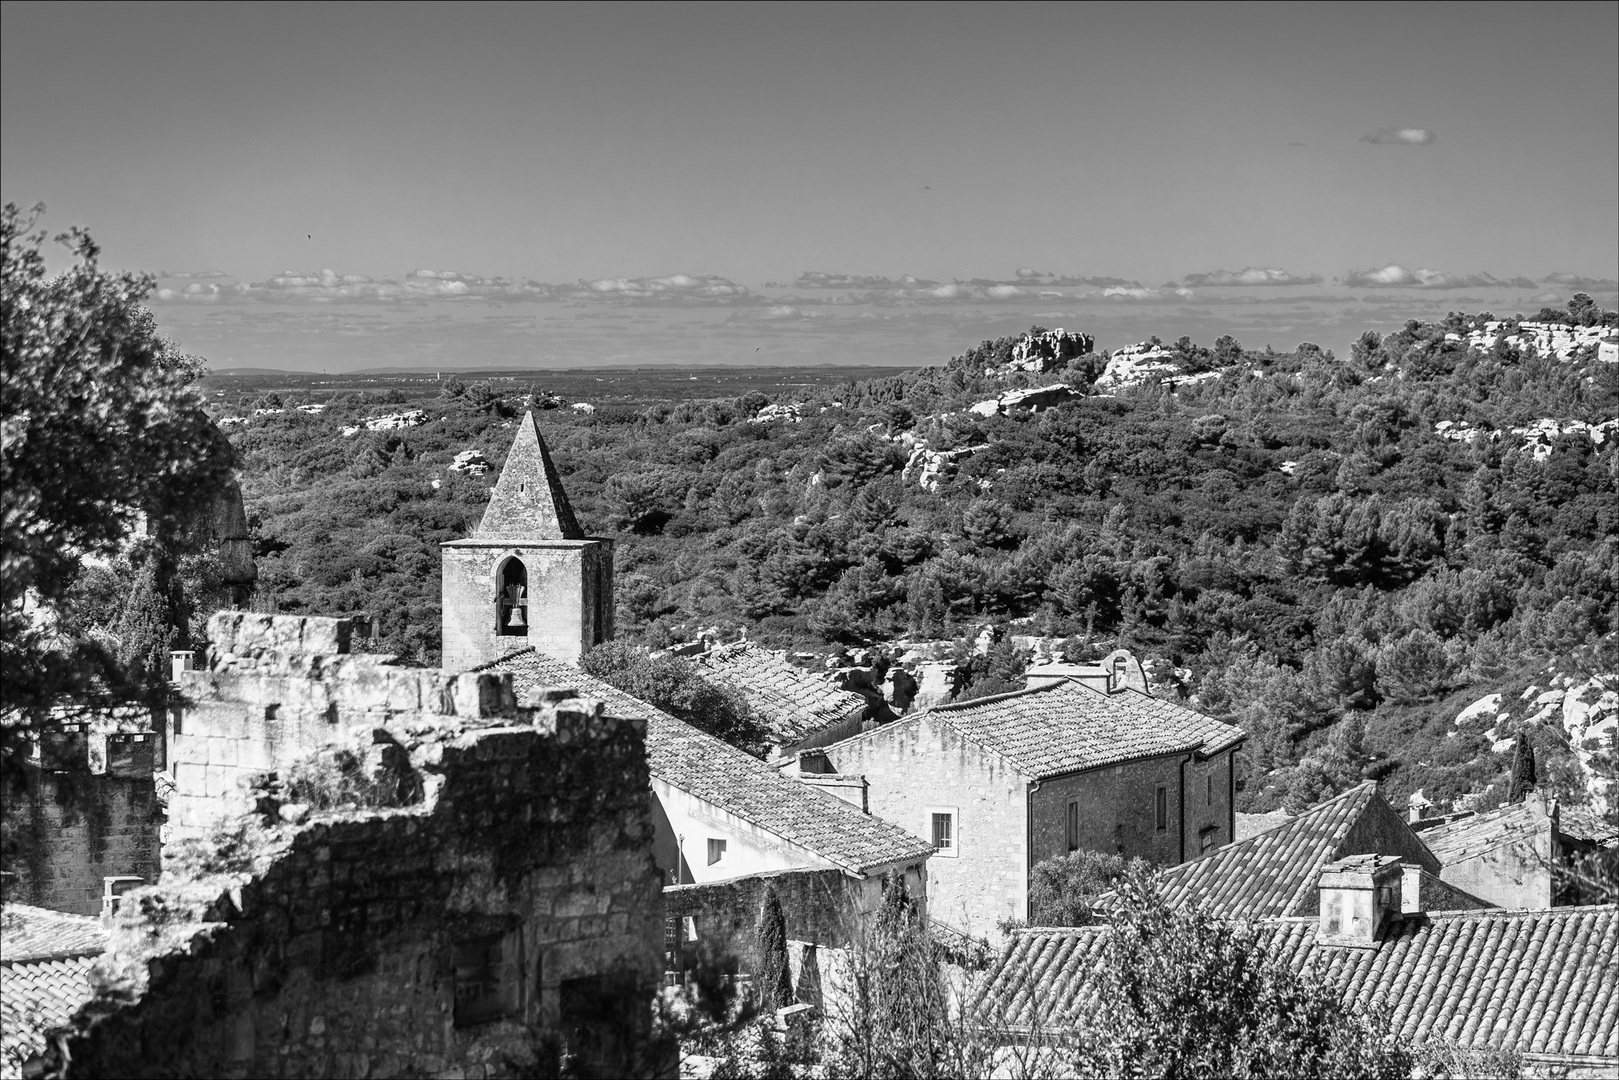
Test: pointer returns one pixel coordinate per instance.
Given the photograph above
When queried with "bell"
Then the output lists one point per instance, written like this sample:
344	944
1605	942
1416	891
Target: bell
515	620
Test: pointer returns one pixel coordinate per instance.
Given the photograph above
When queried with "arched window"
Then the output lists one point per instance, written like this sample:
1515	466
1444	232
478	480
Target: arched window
511	599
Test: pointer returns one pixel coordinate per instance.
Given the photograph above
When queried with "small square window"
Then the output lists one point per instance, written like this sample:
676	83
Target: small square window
943	831
716	850
1161	808
1208	838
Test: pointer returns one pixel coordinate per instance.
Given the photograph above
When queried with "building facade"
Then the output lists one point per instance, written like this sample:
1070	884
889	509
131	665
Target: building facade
998	785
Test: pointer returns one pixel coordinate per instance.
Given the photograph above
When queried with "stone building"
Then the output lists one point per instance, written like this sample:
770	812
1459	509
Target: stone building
1511	856
1538	984
999	784
82	810
1273	872
719	813
460	887
529	577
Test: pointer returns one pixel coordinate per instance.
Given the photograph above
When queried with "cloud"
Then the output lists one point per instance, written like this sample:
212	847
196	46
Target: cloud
1579	281
1250	276
816	279
192	274
1396	276
425	285
674	288
1023	272
1400	136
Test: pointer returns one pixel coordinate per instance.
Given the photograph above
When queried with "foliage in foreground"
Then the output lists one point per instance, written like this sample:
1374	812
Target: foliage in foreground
1185	996
98	425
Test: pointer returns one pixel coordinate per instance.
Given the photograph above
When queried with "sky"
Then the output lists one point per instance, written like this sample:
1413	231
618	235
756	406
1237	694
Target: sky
337	187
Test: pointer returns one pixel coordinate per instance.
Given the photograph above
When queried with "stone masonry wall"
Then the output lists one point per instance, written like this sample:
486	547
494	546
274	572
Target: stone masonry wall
509	915
1117	811
820	906
64	831
917	765
1207	803
570	598
278	687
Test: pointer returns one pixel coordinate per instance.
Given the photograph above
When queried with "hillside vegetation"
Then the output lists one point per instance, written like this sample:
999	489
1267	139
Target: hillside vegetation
1336	553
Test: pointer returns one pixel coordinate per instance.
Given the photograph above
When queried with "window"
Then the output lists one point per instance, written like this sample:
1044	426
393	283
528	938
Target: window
488	977
716	850
511	600
1161	814
1208	781
942	828
1208	838
1073	825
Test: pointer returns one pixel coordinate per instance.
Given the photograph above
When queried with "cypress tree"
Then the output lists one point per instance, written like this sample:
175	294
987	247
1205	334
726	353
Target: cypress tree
1523	768
775	975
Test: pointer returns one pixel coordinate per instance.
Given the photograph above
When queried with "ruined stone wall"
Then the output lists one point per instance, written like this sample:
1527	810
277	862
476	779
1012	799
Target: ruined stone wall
511	910
277	687
87	813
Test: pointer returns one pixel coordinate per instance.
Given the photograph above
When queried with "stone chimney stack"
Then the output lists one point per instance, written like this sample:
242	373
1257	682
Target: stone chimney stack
1360	895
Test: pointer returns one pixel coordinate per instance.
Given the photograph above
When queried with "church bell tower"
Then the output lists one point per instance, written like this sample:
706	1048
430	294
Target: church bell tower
529	576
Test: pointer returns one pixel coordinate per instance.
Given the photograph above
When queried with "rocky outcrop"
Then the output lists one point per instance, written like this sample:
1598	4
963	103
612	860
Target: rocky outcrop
1034	399
1048	351
1548	339
1537	437
929	468
471	462
1143	361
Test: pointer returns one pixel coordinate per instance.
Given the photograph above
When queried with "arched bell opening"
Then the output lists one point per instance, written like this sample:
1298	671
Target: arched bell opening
511	599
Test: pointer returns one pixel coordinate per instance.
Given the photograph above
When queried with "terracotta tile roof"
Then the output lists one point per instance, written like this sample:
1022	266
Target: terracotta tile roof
1538	982
732	780
1468	837
1274	872
1583	823
1063	727
45	959
33	933
792	703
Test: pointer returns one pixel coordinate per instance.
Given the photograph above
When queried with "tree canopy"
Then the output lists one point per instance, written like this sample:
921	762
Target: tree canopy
99	428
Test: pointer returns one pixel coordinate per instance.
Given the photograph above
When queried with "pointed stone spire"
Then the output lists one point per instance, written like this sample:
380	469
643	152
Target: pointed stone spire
528	501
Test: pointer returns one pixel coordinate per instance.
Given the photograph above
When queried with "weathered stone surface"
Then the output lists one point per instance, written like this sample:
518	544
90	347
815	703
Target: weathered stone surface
470	932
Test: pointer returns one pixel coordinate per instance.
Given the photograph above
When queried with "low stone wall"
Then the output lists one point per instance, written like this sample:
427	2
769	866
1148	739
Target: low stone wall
820	906
510	911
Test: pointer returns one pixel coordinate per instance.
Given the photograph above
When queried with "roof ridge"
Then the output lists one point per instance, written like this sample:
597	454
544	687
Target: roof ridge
1295	819
990	699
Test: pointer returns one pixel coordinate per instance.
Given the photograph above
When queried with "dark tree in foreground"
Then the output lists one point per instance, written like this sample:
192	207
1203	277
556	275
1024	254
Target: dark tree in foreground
98	425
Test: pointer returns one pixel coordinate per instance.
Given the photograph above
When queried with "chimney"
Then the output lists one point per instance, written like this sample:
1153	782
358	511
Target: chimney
1418	807
1411	888
1360	895
181	660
